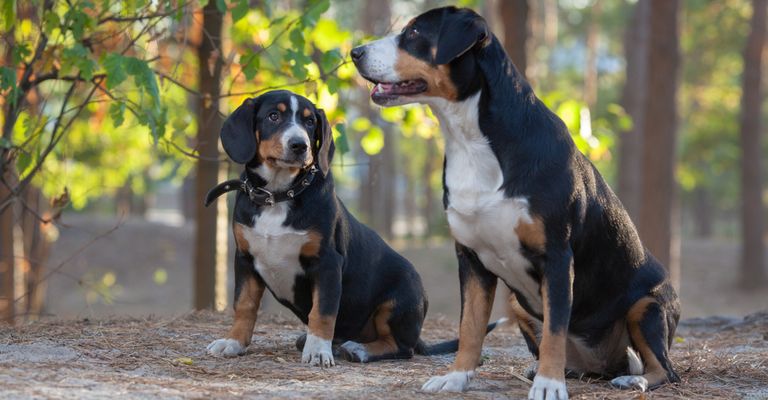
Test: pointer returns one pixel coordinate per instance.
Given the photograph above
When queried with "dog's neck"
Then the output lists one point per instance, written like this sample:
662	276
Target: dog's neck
272	178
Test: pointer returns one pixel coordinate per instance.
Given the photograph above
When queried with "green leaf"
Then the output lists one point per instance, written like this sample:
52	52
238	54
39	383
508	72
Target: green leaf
221	5
297	39
51	21
20	52
7	78
342	144
77	21
330	60
314	10
5	143
23	161
251	66
114	65
8	8
117	113
240	10
78	56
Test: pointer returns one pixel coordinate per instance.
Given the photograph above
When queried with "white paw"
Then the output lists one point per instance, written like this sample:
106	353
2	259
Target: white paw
225	347
547	389
355	352
456	381
630	382
317	351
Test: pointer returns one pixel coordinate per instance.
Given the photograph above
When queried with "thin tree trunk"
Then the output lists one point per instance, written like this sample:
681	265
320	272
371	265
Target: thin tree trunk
660	125
752	208
377	191
590	70
514	14
634	93
703	212
8	176
209	124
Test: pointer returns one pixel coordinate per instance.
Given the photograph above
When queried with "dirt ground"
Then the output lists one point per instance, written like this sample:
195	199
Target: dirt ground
80	350
717	358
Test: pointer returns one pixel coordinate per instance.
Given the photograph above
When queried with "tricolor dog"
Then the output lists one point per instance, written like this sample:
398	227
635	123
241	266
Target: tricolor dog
525	206
295	238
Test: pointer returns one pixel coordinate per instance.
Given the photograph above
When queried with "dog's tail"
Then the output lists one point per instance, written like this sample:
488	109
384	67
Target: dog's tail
450	346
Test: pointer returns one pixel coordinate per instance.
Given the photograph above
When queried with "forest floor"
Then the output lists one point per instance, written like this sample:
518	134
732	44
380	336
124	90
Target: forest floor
130	358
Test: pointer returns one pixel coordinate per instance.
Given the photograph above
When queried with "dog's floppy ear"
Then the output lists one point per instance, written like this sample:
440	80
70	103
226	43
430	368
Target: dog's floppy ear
326	148
459	32
238	136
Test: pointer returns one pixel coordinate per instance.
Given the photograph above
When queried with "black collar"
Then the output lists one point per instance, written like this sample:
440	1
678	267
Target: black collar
259	195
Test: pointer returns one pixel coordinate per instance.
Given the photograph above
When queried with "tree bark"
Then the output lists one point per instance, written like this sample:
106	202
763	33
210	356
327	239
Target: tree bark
377	191
634	92
514	14
590	70
7	215
207	170
659	134
752	207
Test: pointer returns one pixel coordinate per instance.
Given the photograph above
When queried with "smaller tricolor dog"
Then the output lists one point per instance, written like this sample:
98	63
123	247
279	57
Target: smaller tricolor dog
295	238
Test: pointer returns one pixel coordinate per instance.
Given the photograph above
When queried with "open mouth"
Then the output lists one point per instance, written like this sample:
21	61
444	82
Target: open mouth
383	91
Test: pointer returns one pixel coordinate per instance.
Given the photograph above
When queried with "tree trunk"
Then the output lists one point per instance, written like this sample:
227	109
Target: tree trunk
634	92
377	191
590	70
7	218
207	170
37	246
514	14
703	212
430	166
752	208
659	131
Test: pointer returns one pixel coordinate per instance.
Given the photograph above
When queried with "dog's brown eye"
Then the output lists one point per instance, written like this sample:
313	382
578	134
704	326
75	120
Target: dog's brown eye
273	116
411	33
309	123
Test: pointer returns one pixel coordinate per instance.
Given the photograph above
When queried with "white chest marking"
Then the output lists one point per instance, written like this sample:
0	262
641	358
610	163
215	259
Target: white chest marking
275	249
479	215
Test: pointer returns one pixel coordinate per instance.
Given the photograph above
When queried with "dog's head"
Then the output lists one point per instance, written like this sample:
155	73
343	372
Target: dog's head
278	129
433	57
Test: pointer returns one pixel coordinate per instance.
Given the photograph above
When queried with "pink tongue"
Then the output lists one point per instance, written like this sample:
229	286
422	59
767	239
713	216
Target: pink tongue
382	88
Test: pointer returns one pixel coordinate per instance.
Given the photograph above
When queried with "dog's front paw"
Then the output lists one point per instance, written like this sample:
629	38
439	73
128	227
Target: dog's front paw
456	381
547	389
632	382
317	352
226	347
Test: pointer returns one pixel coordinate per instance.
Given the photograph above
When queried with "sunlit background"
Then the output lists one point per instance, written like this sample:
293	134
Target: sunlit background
107	150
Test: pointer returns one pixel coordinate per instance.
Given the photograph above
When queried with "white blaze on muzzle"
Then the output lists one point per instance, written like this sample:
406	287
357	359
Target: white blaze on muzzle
380	59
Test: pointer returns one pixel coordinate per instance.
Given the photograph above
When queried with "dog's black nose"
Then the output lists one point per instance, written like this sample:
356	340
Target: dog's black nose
297	146
357	53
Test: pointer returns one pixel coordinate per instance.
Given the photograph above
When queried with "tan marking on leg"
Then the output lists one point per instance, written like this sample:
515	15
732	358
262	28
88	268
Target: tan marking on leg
320	325
474	320
654	372
240	241
524	320
282	107
246	310
552	346
438	78
385	343
532	233
312	247
307	112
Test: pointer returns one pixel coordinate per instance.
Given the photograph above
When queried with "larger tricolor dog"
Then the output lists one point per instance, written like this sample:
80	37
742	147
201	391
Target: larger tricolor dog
525	206
295	238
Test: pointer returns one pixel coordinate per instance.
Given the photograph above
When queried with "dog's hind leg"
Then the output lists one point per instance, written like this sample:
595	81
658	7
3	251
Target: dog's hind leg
392	324
650	330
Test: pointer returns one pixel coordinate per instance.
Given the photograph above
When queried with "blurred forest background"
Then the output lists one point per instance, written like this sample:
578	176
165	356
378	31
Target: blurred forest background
111	112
